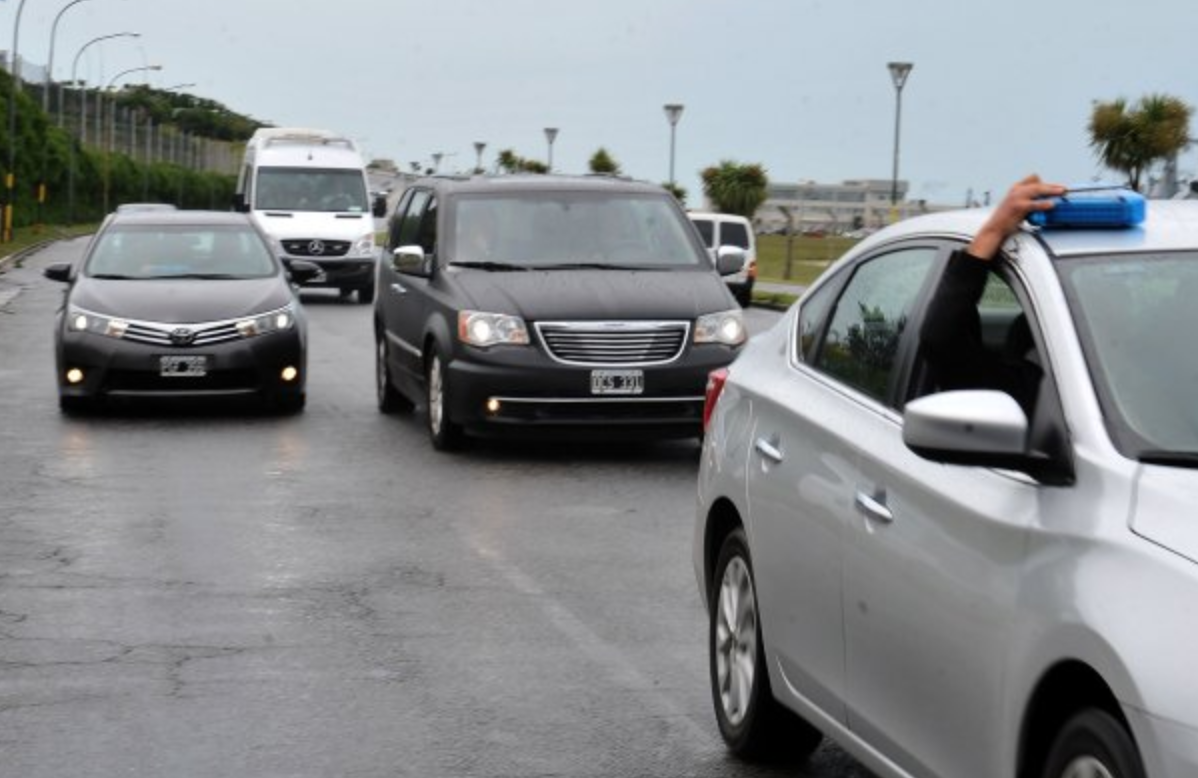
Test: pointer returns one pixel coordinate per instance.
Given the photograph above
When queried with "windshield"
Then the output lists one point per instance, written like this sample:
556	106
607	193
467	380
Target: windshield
145	252
1135	315
561	230
311	189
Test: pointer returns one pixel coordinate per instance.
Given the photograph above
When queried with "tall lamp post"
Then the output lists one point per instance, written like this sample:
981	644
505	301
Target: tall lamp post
49	76
10	175
82	118
673	114
112	122
478	150
550	137
898	74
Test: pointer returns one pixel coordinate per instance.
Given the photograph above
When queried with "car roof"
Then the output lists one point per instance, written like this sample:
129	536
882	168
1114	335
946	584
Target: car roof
174	218
539	182
1169	225
714	216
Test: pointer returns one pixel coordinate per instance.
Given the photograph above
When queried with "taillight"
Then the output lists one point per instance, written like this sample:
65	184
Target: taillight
715	386
752	272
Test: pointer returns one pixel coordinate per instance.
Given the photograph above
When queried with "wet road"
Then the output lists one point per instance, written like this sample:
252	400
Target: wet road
230	594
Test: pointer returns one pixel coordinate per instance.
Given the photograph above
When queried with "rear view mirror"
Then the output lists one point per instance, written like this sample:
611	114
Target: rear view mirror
729	260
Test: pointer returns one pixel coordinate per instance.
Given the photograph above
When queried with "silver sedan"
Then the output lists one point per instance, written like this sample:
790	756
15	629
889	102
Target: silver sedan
961	581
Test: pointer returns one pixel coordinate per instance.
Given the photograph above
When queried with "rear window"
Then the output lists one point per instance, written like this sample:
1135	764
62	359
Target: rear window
706	231
734	234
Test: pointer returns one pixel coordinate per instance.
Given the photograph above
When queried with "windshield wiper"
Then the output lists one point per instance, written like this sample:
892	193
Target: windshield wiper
1169	458
585	266
489	265
115	277
201	276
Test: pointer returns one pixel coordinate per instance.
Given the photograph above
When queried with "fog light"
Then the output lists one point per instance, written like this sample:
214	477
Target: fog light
492	406
289	374
74	376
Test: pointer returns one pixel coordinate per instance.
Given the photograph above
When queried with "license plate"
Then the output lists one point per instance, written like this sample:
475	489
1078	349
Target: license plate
178	366
617	382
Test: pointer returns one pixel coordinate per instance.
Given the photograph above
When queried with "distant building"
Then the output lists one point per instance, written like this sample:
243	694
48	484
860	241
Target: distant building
843	207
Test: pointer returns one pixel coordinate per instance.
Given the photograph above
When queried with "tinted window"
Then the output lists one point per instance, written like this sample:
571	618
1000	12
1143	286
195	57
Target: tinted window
734	234
165	251
862	339
812	314
406	224
311	189
706	231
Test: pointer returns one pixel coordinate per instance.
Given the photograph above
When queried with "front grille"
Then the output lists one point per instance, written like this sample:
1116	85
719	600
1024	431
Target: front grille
614	343
206	334
312	247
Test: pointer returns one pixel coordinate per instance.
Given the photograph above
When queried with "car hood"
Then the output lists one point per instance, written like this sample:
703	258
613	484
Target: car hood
544	295
182	301
1164	510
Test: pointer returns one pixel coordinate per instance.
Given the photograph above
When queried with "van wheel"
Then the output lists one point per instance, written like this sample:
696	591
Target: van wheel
754	725
1093	744
442	431
366	295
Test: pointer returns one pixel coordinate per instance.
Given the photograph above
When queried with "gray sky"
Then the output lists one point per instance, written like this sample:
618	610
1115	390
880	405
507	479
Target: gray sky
999	89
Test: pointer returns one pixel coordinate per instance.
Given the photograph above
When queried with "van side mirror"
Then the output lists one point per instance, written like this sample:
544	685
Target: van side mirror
379	208
729	260
239	203
411	261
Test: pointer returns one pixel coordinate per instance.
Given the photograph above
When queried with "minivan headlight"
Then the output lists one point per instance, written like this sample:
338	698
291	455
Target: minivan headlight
726	327
491	329
276	321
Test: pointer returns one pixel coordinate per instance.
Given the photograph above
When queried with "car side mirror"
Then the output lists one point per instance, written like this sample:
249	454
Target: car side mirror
729	260
301	271
411	261
59	271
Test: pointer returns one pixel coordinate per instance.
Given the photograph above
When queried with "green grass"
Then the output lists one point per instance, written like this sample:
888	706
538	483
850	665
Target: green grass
24	237
809	257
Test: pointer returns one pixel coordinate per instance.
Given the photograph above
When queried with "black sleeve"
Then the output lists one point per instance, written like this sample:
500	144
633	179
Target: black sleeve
951	337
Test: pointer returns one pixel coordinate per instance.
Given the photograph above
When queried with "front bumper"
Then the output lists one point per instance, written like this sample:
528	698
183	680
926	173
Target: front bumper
117	368
509	388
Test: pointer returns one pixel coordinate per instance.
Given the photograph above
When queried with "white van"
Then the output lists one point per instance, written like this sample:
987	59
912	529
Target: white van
724	229
308	190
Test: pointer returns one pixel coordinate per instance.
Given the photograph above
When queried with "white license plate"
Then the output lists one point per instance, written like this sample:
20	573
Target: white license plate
617	382
179	366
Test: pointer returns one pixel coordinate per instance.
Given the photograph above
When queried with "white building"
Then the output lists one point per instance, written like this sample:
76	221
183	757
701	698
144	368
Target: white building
842	207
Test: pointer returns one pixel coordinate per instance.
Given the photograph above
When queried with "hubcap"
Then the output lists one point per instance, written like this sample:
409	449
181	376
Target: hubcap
436	403
1086	767
736	640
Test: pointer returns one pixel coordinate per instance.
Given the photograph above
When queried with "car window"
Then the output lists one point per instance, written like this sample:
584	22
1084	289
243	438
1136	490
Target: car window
734	234
426	235
706	231
405	226
862	338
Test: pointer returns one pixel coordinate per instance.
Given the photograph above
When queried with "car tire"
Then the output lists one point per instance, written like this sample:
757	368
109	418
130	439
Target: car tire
754	725
744	297
442	431
389	399
1093	742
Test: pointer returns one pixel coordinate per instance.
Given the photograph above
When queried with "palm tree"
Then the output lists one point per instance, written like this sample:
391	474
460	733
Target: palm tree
735	188
1131	139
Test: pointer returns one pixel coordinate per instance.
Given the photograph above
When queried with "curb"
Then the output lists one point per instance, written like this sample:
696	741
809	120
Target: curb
16	257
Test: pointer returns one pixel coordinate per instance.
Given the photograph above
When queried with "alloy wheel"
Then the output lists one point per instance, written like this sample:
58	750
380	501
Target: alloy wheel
736	640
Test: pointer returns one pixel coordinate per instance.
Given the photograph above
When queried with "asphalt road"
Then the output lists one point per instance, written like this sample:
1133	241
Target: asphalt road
222	593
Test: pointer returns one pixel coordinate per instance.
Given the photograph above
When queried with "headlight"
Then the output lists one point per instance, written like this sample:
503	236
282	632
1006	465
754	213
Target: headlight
79	320
275	321
727	327
491	329
364	246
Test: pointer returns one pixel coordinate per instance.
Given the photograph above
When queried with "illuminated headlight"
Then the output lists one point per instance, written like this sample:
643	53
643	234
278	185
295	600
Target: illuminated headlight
726	327
491	329
364	246
79	320
275	321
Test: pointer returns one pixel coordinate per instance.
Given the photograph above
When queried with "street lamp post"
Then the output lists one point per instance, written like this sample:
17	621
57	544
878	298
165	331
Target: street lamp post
550	136
898	73
10	174
112	122
437	162
49	76
673	114
478	150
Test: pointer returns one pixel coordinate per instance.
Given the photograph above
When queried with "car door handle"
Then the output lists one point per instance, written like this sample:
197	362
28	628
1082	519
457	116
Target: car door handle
873	508
399	288
769	450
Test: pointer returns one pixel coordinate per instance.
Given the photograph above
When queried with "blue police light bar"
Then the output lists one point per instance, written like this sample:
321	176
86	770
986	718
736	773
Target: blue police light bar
1093	207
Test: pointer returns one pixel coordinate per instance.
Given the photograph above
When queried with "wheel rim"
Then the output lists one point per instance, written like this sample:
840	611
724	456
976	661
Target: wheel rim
436	402
1086	767
736	640
380	370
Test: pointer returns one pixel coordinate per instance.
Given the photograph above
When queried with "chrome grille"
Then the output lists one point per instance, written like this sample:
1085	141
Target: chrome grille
313	247
614	343
205	334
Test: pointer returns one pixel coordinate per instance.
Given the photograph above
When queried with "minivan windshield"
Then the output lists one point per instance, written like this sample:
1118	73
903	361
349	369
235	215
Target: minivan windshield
310	189
1134	314
567	230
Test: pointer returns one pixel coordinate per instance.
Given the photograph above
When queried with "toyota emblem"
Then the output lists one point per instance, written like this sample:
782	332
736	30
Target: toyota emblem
182	336
316	247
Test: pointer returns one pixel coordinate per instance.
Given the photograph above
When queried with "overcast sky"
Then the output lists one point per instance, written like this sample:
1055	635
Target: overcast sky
999	89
